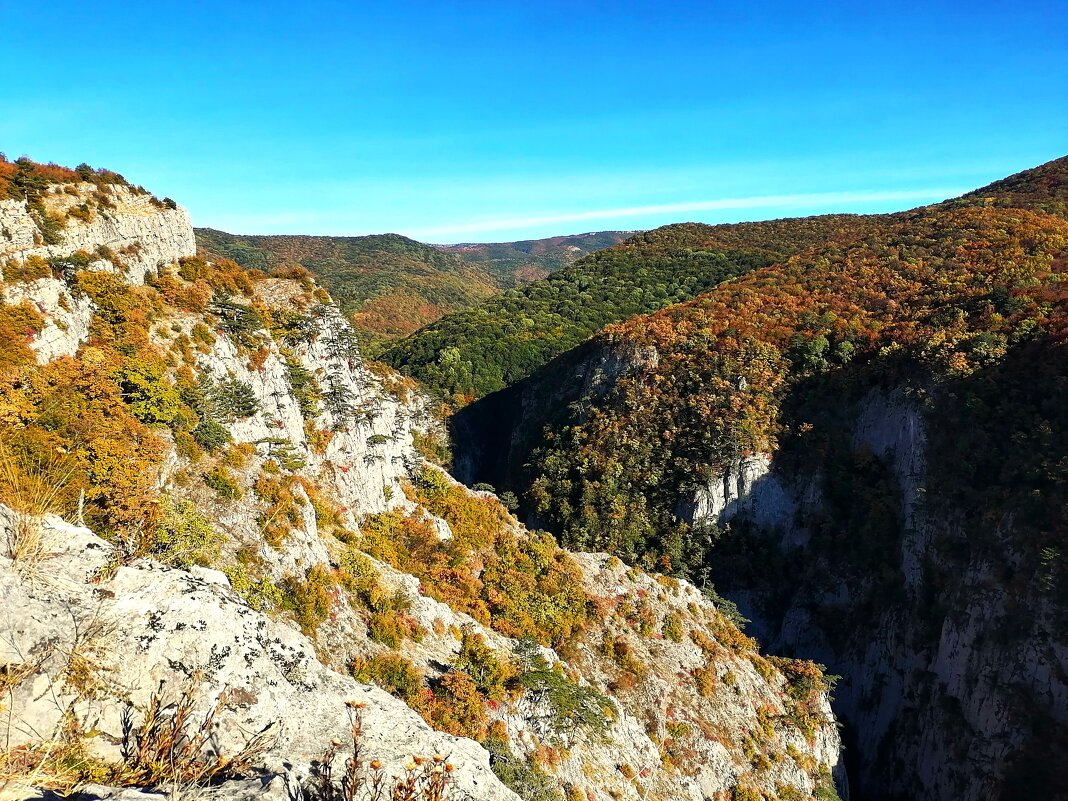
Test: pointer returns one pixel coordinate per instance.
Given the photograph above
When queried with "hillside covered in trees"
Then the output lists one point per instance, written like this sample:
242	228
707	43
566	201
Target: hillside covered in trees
480	350
518	263
390	285
387	284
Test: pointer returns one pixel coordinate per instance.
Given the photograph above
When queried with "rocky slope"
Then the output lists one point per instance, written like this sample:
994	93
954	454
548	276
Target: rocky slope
858	445
271	539
111	223
105	226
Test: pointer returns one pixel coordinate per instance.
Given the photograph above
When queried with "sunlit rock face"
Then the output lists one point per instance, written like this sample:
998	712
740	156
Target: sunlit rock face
141	232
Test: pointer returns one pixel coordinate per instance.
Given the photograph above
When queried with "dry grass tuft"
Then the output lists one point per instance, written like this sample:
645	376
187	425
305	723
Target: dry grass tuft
171	746
90	656
422	780
32	486
60	764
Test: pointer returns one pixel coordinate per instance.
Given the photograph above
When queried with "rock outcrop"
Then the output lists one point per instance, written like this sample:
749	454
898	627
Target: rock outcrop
94	644
66	316
946	681
141	232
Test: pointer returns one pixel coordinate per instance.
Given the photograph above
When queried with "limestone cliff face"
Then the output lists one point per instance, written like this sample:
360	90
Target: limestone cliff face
368	452
66	316
147	624
747	487
122	229
944	681
143	232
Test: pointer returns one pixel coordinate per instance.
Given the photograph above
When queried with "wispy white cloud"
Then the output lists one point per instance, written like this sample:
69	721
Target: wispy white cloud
809	200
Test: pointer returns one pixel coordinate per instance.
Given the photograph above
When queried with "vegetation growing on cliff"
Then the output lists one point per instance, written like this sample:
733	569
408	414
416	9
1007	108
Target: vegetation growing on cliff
111	409
519	584
25	179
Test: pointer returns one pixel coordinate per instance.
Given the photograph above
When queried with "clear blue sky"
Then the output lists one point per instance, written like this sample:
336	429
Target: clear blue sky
472	121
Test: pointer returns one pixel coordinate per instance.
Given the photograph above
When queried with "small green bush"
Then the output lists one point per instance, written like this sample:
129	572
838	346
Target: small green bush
202	334
672	627
572	706
520	775
825	789
151	397
212	435
234	399
187	447
392	672
183	536
433	447
306	389
241	322
392	624
260	593
480	662
358	575
311	598
222	481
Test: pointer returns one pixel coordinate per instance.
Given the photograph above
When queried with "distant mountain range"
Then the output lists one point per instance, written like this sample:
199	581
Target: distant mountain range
478	350
518	263
391	285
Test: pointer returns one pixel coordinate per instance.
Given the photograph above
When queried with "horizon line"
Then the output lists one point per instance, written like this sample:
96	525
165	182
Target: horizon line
755	201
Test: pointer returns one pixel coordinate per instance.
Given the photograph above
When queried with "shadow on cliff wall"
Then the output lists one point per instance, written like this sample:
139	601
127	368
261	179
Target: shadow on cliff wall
934	581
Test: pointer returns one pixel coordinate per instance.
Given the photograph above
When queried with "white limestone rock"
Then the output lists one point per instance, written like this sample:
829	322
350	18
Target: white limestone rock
150	624
144	234
66	316
745	487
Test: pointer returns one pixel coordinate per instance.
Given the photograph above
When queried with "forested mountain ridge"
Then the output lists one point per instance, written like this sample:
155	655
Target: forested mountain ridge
1040	189
388	284
480	350
483	349
863	445
391	285
519	263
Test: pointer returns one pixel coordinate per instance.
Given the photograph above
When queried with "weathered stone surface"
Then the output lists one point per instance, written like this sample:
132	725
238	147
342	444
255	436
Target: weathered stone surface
150	626
144	235
66	316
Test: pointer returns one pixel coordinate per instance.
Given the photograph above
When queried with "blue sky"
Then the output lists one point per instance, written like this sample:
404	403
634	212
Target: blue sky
495	121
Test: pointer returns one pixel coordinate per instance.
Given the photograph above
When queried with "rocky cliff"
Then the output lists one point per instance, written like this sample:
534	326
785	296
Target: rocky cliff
118	226
953	679
271	541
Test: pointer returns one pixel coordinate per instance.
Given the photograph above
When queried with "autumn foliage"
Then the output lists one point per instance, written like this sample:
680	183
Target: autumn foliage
519	583
944	291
